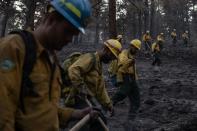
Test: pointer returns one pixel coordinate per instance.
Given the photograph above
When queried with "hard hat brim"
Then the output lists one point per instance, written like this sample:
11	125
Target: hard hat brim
135	47
67	16
115	54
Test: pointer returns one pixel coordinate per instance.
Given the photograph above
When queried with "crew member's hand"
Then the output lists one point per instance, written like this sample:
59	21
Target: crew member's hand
111	111
80	113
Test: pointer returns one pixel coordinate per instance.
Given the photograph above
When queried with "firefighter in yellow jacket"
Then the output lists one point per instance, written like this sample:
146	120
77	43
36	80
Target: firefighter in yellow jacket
147	40
87	77
156	54
126	78
174	36
185	38
113	66
41	109
160	38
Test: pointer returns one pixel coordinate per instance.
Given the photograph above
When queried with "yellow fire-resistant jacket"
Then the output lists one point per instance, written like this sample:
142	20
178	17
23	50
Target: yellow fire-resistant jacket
146	37
160	38
113	67
126	65
88	71
41	113
185	36
155	47
173	34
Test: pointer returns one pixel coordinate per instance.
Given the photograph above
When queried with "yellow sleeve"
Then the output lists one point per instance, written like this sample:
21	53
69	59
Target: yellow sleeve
157	48
172	34
11	61
102	96
136	76
144	37
185	36
79	67
119	77
158	37
153	47
123	65
113	67
120	72
149	37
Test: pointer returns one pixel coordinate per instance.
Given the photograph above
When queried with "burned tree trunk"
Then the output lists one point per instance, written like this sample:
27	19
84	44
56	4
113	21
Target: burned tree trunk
30	11
112	19
152	22
146	16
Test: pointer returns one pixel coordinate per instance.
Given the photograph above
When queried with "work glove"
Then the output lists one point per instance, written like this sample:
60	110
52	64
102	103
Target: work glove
131	62
80	113
110	108
111	111
101	115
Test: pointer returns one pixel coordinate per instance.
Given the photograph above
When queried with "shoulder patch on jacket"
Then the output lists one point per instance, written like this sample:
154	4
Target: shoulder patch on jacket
7	64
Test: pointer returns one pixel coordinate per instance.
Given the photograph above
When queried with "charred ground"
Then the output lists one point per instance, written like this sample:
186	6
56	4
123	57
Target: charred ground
168	96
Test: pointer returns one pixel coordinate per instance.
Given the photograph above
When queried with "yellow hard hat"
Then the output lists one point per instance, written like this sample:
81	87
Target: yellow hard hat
114	46
119	37
136	43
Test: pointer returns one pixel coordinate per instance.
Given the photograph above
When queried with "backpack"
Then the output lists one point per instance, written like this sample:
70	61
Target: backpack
27	87
67	90
29	61
68	62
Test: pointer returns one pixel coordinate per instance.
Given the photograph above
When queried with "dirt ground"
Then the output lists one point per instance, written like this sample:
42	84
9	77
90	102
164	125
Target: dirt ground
168	96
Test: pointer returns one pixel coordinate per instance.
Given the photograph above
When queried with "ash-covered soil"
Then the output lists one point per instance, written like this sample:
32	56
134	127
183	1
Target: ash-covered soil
168	96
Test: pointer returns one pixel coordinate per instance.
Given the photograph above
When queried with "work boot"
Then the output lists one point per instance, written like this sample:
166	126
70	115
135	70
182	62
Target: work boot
129	125
131	116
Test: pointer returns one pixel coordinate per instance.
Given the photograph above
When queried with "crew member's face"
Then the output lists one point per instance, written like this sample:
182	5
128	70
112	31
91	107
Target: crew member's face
133	50
108	56
61	33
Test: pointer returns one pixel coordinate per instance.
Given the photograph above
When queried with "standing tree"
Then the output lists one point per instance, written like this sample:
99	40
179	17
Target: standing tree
6	10
30	12
152	18
112	19
146	16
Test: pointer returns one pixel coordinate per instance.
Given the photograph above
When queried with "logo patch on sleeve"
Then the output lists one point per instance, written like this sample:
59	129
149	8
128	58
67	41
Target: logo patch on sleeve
7	64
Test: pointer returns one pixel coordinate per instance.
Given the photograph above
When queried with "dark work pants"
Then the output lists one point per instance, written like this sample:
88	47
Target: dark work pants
113	80
130	89
174	40
156	59
185	42
161	46
147	45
